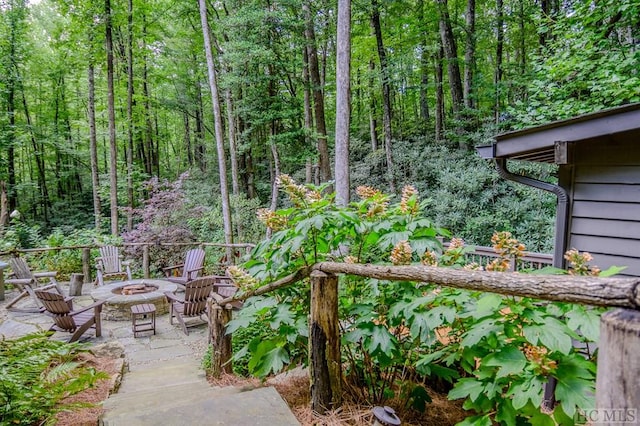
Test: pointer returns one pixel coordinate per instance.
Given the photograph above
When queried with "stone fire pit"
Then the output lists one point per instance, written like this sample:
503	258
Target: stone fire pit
121	296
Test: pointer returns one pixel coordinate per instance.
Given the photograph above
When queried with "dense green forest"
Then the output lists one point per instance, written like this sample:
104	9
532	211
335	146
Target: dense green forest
103	103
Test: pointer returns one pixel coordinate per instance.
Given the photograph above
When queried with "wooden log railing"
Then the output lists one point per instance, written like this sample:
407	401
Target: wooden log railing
88	266
617	382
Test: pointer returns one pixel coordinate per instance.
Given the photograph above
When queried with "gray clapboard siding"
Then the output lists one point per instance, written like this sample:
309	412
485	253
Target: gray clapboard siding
607	174
606	228
604	210
613	192
615	246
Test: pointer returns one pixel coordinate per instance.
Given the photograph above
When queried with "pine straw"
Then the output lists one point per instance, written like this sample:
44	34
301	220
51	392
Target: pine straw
95	395
295	391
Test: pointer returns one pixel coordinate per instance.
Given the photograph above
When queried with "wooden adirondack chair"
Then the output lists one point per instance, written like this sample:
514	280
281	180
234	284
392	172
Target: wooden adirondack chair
189	270
110	264
26	281
225	287
193	303
66	319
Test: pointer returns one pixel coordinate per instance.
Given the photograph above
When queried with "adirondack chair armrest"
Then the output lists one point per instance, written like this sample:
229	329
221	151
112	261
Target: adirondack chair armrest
96	306
45	274
127	262
188	271
171	297
18	281
168	269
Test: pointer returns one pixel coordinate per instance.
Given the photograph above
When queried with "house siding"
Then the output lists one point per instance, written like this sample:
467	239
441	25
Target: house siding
605	202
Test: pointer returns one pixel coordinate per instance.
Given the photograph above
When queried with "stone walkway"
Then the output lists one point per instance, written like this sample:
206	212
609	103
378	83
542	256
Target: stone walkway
163	382
168	343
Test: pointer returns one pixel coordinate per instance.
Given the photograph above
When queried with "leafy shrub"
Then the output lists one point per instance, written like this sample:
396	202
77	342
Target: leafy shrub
496	352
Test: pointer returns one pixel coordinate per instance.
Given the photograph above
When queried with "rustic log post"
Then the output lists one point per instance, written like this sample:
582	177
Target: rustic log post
86	264
145	260
324	343
618	377
3	265
75	286
219	317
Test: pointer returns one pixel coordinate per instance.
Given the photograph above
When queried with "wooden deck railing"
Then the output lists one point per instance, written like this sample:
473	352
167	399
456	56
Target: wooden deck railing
88	266
617	383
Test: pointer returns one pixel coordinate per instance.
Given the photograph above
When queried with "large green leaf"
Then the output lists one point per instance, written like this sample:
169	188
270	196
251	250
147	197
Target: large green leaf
468	387
509	360
573	393
479	331
554	337
272	361
586	320
381	340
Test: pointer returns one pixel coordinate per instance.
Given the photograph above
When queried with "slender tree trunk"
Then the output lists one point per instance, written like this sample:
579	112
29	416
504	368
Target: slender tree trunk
93	143
522	41
424	65
308	114
217	116
439	76
343	101
324	162
199	148
386	94
451	53
38	150
233	154
545	9
113	170
187	137
470	54
130	121
497	76
4	207
233	150
373	110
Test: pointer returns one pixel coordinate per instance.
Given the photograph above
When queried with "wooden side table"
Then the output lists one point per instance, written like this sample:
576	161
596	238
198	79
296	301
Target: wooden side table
143	317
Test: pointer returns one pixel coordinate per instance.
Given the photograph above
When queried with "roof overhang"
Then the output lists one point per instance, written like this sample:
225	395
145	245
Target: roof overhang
547	143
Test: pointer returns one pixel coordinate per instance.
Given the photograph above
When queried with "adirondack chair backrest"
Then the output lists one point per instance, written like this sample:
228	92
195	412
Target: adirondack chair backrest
196	294
194	259
59	308
111	261
20	268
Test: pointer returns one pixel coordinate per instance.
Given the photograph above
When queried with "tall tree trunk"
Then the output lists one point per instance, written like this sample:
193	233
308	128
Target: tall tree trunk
217	116
386	94
424	65
343	101
373	110
522	56
130	121
113	157
470	54
308	114
38	150
439	76
497	76
233	150
324	162
451	53
199	148
187	137
4	207
233	154
93	143
543	35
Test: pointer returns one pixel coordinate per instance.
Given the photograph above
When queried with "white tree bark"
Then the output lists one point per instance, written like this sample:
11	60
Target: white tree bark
343	102
217	117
